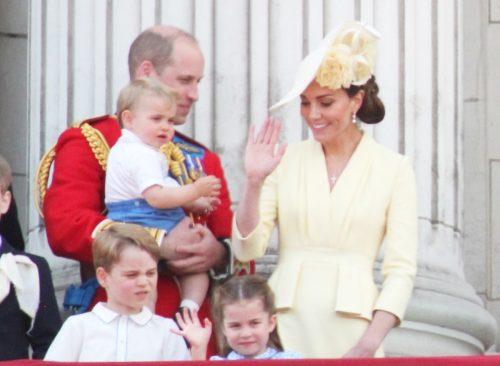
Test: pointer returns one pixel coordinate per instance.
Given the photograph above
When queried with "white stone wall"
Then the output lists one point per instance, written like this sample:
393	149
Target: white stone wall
437	69
14	97
481	153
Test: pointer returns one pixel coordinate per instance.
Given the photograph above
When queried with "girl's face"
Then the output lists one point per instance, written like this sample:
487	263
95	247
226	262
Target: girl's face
247	326
131	282
328	113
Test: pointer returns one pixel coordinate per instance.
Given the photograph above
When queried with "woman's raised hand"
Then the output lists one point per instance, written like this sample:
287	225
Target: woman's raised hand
262	154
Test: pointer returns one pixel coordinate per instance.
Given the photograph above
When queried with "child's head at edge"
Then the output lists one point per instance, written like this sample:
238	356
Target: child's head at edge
108	250
240	289
5	181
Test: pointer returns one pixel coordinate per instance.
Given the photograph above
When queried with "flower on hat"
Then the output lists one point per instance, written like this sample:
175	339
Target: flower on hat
350	58
345	57
336	68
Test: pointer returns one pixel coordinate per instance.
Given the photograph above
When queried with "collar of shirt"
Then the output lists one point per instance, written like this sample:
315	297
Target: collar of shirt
107	315
130	137
269	353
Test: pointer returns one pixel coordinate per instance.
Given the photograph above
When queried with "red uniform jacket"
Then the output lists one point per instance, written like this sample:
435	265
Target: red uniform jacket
74	202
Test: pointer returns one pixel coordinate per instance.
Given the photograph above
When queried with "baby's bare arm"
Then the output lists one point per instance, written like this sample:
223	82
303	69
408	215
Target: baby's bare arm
170	197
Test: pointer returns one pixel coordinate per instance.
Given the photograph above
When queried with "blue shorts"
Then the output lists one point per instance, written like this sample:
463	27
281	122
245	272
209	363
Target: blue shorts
138	211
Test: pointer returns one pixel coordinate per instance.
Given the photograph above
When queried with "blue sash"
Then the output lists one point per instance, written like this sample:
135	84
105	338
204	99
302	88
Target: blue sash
138	211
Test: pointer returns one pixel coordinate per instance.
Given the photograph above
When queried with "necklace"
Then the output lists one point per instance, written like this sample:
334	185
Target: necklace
335	177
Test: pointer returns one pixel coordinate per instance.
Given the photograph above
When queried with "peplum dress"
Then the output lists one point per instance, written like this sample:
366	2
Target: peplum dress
329	240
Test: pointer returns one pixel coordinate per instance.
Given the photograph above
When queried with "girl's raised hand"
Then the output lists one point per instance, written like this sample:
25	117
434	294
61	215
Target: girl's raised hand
262	153
196	334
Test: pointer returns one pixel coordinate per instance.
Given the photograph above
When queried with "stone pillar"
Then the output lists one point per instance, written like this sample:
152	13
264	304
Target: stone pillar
481	151
445	316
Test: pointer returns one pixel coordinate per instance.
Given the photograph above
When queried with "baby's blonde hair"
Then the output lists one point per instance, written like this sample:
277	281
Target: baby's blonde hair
132	93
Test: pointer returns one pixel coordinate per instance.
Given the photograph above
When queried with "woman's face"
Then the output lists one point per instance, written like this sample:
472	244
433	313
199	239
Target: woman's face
328	113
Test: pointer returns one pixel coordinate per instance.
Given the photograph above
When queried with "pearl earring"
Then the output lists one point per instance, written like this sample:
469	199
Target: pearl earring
354	120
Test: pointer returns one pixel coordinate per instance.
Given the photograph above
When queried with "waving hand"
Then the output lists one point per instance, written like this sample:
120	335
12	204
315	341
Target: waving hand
262	154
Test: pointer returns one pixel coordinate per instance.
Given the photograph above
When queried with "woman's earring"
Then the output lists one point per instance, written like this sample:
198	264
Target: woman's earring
354	120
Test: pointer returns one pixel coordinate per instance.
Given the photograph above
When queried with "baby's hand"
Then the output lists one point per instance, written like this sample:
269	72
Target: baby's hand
201	206
208	186
204	205
191	328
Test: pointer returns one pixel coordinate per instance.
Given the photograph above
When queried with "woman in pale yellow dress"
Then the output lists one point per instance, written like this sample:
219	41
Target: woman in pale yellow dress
335	200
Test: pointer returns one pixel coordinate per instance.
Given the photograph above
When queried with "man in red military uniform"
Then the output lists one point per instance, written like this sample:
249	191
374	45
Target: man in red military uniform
74	207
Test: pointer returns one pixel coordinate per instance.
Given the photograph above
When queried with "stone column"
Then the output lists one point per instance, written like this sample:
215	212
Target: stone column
445	316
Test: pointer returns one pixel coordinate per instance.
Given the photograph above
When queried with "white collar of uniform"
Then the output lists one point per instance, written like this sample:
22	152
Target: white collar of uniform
22	273
107	315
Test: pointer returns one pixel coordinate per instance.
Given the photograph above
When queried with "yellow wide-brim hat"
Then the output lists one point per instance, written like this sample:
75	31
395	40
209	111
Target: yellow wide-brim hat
345	57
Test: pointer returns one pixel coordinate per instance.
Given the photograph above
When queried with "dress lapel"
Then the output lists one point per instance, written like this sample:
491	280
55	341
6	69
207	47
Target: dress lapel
315	204
349	186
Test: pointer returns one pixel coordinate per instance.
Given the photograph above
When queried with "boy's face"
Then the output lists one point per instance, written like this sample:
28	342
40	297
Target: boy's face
131	282
151	120
5	198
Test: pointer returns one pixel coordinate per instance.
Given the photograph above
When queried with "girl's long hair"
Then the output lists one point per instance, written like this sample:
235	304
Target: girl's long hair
242	288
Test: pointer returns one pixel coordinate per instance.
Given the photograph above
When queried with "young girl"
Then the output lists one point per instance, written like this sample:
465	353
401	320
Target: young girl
245	322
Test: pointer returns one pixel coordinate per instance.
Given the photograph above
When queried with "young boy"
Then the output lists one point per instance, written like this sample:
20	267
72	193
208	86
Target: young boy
29	315
123	328
138	188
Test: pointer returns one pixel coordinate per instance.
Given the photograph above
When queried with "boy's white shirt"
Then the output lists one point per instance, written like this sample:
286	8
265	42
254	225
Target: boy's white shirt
104	335
132	167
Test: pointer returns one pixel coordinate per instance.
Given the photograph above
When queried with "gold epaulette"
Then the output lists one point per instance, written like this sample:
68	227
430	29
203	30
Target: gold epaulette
97	143
42	178
90	121
176	165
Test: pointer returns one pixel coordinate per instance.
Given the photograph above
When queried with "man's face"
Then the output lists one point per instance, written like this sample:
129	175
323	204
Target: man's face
184	74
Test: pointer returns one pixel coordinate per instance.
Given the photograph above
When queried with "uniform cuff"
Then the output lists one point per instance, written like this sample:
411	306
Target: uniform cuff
223	271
